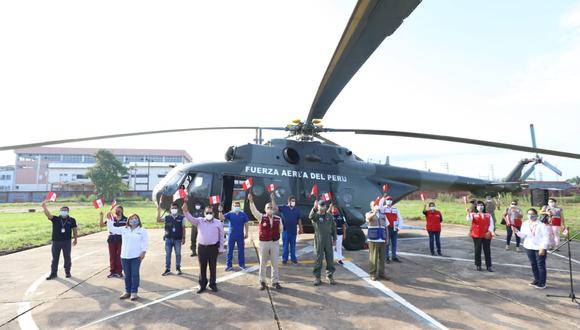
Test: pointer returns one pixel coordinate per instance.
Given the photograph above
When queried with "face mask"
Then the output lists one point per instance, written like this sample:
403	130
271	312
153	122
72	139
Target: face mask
489	199
480	208
389	202
532	217
197	207
513	205
322	209
209	216
432	208
552	204
64	213
134	222
237	209
174	211
292	204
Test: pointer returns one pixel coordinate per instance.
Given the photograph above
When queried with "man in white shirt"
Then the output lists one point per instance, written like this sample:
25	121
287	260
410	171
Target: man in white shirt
536	237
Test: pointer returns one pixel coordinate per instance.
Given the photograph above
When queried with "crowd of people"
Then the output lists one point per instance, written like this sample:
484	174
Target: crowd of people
128	240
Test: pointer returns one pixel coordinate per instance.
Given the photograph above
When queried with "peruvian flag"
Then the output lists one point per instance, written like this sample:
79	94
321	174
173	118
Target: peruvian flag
314	191
326	197
50	197
214	200
99	203
271	187
385	188
565	232
113	205
377	201
423	197
179	194
248	184
465	199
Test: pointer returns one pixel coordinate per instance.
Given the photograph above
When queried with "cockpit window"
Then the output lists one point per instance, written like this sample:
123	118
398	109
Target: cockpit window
199	184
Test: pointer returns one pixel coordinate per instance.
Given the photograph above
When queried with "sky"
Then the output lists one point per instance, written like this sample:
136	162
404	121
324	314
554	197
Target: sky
482	70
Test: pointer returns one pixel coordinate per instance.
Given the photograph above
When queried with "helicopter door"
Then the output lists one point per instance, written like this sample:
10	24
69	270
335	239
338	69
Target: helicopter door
228	192
199	187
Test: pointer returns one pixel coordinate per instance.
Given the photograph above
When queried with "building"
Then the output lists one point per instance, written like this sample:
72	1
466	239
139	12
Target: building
64	169
6	178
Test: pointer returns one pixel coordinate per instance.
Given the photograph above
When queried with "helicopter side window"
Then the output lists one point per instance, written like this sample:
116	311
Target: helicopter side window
200	184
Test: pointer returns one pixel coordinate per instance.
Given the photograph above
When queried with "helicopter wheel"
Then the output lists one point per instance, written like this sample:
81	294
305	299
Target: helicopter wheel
355	239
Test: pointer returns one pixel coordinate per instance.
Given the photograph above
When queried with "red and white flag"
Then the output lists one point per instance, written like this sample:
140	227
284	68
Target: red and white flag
50	197
464	199
113	205
385	188
565	232
179	194
314	191
99	203
214	200
247	184
271	187
377	201
326	197
423	197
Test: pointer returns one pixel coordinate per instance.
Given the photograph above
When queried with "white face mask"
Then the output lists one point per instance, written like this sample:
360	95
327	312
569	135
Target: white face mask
174	211
389	202
197	207
237	209
64	213
133	222
551	204
292	204
432	208
532	217
480	208
208	216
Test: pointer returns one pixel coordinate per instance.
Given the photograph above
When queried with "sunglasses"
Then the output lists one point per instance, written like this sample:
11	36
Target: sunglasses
208	213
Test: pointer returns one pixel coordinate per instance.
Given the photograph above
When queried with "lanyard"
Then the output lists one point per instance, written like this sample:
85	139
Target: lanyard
533	229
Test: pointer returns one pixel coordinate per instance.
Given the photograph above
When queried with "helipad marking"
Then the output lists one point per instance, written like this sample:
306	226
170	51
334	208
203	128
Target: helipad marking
182	292
25	320
381	287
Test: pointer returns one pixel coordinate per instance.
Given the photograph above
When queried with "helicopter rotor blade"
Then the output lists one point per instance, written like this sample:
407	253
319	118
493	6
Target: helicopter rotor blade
327	141
528	172
458	140
102	137
533	133
370	23
552	167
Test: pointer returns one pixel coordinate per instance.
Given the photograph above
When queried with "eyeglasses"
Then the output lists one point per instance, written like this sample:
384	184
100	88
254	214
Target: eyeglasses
206	213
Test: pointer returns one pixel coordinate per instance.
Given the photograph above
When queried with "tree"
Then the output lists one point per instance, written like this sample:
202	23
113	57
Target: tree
106	175
575	180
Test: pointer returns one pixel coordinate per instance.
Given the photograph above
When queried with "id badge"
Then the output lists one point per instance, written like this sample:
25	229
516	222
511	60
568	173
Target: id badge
174	229
62	230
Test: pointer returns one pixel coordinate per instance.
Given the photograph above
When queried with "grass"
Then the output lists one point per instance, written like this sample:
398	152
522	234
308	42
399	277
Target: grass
20	229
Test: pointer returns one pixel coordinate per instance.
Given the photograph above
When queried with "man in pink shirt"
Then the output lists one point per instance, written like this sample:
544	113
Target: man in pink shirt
210	243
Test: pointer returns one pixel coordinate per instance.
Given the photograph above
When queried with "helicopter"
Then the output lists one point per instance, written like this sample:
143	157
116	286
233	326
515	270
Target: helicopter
304	159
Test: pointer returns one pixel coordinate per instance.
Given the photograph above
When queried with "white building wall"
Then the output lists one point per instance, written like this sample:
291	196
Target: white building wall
7	180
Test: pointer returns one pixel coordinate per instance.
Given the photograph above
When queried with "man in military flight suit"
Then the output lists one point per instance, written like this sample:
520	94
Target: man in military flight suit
324	240
197	213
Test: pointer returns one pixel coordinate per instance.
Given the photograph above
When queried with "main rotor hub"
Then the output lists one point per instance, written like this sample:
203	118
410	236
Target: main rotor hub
305	131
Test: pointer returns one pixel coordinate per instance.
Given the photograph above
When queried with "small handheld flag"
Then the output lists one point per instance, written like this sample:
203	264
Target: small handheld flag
50	197
179	194
423	197
99	203
214	200
465	199
113	205
271	187
326	197
377	201
247	184
385	188
314	191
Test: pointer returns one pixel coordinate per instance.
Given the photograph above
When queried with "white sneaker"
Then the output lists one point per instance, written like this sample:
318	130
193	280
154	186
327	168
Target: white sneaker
518	249
134	296
507	247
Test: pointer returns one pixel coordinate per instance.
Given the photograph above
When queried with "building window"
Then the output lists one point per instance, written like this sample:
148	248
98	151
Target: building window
173	159
90	159
72	158
27	157
81	177
51	157
134	159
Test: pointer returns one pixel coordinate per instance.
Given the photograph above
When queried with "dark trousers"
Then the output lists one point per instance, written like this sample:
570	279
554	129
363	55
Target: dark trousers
132	277
538	266
57	246
509	236
207	254
193	239
478	243
393	235
115	257
434	239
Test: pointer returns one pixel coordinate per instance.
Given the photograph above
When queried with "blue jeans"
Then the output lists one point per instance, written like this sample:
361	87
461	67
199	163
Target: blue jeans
509	236
171	244
538	264
434	238
393	241
288	243
241	258
131	268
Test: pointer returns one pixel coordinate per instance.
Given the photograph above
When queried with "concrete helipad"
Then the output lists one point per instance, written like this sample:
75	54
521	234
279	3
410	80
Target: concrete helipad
424	292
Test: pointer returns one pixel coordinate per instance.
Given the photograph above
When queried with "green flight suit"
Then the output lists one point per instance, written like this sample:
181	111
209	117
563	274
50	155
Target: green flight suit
324	235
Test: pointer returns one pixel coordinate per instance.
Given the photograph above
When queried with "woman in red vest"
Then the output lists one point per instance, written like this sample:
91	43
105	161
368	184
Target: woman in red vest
433	227
481	232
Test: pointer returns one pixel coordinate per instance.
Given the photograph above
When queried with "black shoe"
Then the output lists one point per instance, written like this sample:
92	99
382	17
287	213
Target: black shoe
432	253
202	289
111	275
340	262
388	261
534	283
440	254
179	272
295	262
395	259
50	277
193	254
284	262
213	287
262	286
277	286
479	268
68	275
166	272
490	269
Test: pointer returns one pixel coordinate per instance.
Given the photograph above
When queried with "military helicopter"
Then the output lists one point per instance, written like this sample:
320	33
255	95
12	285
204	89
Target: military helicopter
304	158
